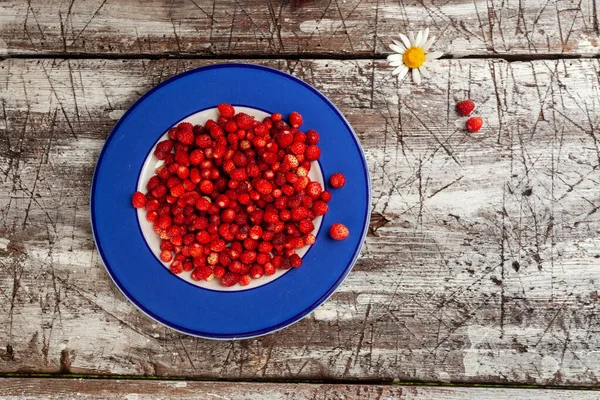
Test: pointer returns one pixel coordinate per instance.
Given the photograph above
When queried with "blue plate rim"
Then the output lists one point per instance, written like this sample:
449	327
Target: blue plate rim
291	320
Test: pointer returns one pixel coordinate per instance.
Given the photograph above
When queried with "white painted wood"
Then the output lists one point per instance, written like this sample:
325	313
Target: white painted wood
482	264
490	27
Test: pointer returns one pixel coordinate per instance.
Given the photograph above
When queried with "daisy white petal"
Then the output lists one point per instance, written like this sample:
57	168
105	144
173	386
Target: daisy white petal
434	55
399	69
403	72
399	44
411	37
419	39
394	57
405	40
425	36
428	43
416	76
397	49
396	63
424	72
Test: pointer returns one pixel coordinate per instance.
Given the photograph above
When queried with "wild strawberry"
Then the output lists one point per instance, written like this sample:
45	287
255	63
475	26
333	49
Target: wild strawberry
312	153
219	271
263	186
212	259
301	171
269	269
165	146
310	239
337	180
244	121
206	187
295	260
196	157
245	280
255	232
248	257
299	213
320	207
230	279
138	200
474	124
465	107
164	221
153	182
306	226
290	161
314	189
312	137
231	127
185	134
301	183
250	244
285	139
338	231
177	190
203	273
216	132
166	256
259	142
298	148
182	158
256	272
173	133
176	267
285	263
183	172
238	174
295	119
226	110
299	137
203	141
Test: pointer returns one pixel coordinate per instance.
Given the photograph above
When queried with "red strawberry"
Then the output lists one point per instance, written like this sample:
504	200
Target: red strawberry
295	119
337	180
230	278
226	110
203	273
339	231
245	280
474	124
465	107
244	121
138	200
312	153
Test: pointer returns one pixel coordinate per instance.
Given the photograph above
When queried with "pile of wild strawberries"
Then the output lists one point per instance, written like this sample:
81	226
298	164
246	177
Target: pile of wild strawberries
233	199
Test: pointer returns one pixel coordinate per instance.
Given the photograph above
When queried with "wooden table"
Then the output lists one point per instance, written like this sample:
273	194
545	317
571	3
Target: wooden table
482	264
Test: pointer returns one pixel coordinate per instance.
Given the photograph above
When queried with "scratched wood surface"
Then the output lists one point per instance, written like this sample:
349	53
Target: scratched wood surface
141	390
482	263
351	27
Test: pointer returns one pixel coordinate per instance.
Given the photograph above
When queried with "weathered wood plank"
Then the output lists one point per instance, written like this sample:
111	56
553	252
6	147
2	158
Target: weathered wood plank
296	26
482	264
108	389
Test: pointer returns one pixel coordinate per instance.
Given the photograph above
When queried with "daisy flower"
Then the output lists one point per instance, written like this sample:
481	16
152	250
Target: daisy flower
412	54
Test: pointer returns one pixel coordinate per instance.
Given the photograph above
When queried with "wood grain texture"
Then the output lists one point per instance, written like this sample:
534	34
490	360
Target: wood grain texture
482	263
88	389
336	27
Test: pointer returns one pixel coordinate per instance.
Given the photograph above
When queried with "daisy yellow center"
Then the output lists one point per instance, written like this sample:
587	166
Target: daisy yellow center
414	57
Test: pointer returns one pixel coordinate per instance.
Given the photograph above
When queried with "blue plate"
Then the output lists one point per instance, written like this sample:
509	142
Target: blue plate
199	311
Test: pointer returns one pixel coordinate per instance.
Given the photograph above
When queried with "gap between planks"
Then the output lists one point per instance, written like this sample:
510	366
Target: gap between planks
331	382
298	56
